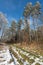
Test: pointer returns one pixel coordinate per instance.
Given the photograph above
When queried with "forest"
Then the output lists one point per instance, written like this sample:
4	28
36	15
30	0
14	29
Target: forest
25	35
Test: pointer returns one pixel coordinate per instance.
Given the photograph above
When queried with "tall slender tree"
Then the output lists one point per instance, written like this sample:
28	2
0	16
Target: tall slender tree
19	28
13	27
27	14
35	15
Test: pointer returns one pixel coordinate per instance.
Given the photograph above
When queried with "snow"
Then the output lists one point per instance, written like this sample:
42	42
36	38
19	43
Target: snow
36	59
5	57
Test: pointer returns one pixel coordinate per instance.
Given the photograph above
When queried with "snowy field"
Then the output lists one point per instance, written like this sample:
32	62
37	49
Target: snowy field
18	56
26	58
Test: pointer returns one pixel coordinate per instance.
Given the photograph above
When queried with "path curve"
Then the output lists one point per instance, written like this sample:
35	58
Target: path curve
5	57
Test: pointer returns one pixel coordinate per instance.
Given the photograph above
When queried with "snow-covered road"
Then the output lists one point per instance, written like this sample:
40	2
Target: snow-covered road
5	57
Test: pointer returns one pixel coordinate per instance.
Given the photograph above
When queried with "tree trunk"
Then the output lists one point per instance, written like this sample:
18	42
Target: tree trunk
34	30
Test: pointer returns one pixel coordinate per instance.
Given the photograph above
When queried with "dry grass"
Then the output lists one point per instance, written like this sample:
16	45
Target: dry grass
33	47
37	64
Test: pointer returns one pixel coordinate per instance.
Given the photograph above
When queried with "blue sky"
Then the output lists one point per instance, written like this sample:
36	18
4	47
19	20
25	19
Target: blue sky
13	9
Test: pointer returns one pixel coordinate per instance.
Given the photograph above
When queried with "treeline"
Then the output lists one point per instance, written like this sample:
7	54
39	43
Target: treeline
22	30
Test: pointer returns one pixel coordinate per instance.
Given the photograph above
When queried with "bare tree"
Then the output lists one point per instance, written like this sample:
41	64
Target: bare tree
3	23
